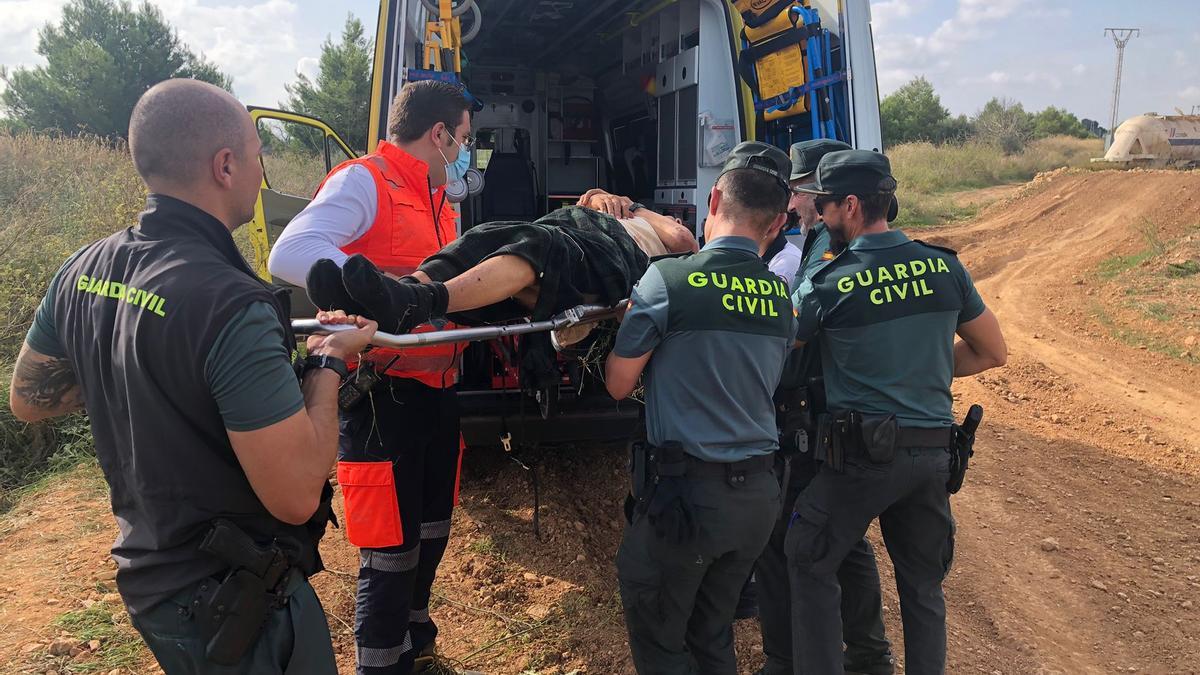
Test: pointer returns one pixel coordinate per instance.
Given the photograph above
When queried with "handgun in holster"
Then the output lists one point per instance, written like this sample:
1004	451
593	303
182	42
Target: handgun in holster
231	614
964	448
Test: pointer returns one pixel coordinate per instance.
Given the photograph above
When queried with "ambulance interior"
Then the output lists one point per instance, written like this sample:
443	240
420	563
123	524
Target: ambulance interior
643	99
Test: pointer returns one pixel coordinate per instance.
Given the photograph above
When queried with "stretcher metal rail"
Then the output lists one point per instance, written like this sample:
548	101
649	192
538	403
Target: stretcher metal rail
572	317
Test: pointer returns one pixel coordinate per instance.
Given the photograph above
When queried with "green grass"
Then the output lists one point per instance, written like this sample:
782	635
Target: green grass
1184	269
1136	338
1159	311
484	545
1117	264
120	645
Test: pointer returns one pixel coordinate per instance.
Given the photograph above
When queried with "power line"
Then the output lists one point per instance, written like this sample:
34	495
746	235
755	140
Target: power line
1121	37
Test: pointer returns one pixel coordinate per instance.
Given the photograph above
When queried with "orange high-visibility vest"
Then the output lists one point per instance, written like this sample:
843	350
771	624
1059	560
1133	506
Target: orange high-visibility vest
411	223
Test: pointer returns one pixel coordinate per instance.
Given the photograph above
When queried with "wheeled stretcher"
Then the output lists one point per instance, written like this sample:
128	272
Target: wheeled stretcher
575	316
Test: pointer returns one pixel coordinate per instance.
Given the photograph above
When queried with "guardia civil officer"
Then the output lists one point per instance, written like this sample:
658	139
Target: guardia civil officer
883	313
215	452
710	331
799	398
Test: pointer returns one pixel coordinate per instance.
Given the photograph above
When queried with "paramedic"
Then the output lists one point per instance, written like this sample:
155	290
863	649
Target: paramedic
704	494
391	207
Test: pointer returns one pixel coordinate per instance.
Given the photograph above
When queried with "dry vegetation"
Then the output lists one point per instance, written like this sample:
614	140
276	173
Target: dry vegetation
928	173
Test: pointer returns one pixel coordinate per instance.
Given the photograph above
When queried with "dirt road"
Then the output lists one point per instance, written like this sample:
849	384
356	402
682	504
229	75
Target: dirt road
1078	546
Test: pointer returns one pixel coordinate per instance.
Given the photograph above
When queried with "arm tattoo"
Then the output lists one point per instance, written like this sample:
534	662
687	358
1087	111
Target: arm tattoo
49	385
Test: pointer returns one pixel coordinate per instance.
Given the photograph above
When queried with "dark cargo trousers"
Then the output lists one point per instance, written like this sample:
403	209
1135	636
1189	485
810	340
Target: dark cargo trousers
294	640
909	497
867	648
679	601
416	429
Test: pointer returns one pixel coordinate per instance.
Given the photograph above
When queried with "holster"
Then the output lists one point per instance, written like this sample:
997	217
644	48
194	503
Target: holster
795	419
646	464
852	434
877	436
231	613
963	448
832	435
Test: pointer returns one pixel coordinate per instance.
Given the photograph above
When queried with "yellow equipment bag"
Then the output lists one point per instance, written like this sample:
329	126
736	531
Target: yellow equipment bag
774	60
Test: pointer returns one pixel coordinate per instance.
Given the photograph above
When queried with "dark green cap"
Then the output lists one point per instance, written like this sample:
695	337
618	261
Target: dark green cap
852	172
807	154
761	156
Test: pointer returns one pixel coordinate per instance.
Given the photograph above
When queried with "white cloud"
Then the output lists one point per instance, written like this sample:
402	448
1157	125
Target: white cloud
251	40
1002	78
887	12
309	66
1190	95
254	42
1079	69
18	30
900	55
969	23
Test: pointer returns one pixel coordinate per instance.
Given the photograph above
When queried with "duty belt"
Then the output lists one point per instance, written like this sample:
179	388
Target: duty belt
736	472
876	437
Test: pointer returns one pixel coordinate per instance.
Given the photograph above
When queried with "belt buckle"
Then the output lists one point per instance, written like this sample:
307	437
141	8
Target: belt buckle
735	477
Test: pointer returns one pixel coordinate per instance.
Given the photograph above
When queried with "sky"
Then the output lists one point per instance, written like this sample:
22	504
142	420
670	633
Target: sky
1036	52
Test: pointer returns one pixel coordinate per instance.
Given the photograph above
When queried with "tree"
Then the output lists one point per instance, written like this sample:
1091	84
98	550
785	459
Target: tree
913	112
1093	127
1004	123
1057	122
101	58
341	93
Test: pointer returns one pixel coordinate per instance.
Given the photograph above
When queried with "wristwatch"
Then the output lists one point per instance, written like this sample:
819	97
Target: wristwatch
314	361
635	206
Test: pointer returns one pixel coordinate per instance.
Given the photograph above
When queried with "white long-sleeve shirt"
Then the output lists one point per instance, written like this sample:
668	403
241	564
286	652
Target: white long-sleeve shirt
786	263
341	213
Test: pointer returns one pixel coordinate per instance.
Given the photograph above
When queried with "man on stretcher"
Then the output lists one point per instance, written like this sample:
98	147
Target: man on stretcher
591	253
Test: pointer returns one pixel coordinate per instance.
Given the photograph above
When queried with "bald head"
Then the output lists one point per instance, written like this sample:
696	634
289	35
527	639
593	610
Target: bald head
178	126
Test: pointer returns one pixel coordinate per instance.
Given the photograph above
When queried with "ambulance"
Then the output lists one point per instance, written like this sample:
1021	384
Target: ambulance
644	98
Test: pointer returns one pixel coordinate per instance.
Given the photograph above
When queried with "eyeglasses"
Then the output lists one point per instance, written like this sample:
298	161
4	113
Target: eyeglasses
824	200
467	142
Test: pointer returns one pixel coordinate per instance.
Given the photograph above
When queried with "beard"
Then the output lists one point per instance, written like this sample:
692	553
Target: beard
837	236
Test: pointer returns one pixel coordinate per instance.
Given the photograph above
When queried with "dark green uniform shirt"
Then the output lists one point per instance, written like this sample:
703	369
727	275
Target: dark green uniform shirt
884	313
818	250
719	323
247	368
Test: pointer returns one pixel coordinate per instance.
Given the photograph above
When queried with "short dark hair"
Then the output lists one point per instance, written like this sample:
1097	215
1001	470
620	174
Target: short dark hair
178	126
875	207
421	105
754	195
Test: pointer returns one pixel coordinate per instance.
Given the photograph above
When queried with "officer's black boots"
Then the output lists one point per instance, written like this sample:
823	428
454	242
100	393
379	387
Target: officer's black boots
326	290
398	307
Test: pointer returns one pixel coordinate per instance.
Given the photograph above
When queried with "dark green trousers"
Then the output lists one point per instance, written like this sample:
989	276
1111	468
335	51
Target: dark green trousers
679	601
295	640
867	647
909	497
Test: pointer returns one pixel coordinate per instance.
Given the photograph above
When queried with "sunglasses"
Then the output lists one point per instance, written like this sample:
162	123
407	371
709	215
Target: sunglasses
821	202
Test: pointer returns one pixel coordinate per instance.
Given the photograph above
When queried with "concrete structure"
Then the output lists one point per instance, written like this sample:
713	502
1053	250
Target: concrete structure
1153	140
